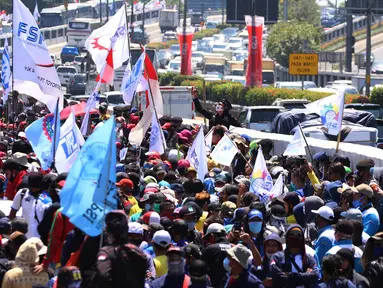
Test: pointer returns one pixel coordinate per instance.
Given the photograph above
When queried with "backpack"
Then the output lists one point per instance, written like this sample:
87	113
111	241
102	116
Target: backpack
44	227
129	265
374	272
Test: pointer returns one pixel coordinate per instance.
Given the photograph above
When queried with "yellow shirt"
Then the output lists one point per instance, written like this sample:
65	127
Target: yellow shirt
135	208
199	224
161	265
291	219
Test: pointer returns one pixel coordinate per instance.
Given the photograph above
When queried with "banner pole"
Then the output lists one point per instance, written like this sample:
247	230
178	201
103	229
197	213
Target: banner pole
307	144
55	133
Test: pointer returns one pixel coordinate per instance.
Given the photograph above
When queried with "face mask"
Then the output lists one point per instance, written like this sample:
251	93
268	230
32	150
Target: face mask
147	207
357	203
191	225
255	227
226	265
156	207
176	268
219	108
269	255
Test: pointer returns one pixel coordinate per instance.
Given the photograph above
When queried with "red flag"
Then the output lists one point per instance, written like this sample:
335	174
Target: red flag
107	73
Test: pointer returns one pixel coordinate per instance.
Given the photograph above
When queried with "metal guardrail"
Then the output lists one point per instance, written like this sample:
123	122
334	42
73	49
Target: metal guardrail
339	31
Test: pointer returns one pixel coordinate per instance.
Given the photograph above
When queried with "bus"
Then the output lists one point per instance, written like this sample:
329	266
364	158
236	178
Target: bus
91	9
79	30
57	16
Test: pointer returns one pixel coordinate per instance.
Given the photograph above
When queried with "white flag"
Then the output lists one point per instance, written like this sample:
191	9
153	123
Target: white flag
36	13
330	110
278	188
69	146
34	73
209	140
6	75
157	138
297	146
197	155
90	104
123	153
131	79
224	151
261	182
101	39
137	134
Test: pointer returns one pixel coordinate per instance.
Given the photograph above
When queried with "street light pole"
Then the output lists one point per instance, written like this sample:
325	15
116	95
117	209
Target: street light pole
285	13
368	49
143	23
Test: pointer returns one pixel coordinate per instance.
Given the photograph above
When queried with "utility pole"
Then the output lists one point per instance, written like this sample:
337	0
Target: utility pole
143	23
184	24
100	12
349	41
285	12
179	13
368	49
131	18
107	10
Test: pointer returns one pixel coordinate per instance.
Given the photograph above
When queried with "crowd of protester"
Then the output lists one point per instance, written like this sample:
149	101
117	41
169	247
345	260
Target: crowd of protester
174	230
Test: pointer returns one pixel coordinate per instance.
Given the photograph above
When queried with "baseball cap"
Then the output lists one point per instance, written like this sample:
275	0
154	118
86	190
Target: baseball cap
183	163
366	190
162	238
126	183
135	228
365	164
150	179
215	228
352	214
191	169
187	210
177	250
146	197
254	213
240	253
151	217
221	178
228	207
325	212
242	179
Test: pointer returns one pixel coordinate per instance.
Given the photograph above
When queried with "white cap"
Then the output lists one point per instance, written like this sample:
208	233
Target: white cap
162	238
135	228
22	134
173	155
325	212
215	228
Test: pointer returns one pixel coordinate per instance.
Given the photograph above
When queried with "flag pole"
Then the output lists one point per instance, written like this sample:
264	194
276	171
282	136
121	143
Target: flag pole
57	114
13	60
307	144
238	150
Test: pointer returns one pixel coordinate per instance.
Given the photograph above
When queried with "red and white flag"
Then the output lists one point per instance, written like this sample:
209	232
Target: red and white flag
107	74
153	101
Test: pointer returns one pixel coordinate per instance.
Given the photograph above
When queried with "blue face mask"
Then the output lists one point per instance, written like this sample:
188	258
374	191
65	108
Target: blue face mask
357	203
292	187
255	227
226	265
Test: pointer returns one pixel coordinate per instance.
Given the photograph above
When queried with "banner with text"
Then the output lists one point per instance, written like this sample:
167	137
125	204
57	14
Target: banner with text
254	61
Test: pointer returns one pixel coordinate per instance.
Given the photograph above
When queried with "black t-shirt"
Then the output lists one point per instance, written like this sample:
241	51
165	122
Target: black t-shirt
213	255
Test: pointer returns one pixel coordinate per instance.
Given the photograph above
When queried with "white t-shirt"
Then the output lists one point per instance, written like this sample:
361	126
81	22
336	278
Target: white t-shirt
26	203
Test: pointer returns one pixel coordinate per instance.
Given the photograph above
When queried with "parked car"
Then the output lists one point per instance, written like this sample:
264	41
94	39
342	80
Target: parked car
211	24
291	103
374	109
194	45
377	68
235	43
230	32
175	48
77	84
78	60
198	59
163	57
84	98
65	72
138	37
174	66
169	35
259	117
114	98
219	37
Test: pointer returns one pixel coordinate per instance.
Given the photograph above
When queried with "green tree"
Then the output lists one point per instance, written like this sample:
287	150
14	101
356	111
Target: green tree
286	38
302	10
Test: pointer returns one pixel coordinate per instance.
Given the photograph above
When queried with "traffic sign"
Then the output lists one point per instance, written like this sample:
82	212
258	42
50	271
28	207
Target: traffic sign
303	64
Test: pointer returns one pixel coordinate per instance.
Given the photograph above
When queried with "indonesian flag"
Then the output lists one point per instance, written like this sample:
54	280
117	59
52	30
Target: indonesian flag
153	101
107	74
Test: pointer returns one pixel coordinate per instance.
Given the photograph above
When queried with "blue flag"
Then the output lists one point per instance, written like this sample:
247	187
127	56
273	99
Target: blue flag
40	135
90	191
6	75
131	79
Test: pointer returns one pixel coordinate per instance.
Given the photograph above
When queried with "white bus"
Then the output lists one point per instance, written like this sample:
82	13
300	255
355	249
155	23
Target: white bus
79	30
57	16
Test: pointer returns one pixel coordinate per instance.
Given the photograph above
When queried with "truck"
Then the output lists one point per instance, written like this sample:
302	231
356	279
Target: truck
68	53
178	101
268	75
168	20
236	68
215	64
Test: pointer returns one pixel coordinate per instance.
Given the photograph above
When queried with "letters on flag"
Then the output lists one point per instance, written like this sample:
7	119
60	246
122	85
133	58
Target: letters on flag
224	151
35	75
6	75
261	182
197	155
113	33
131	79
94	171
330	110
69	145
297	146
157	138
